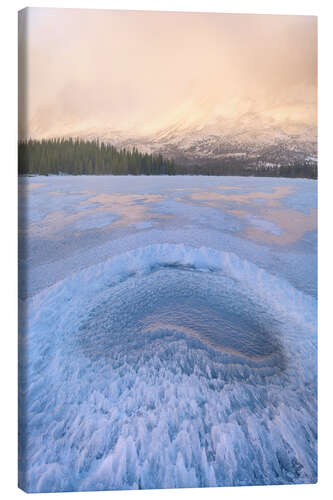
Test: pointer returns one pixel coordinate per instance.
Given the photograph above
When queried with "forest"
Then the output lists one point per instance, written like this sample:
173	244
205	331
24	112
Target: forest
81	157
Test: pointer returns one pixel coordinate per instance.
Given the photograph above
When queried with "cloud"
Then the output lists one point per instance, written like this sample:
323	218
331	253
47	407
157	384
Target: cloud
137	72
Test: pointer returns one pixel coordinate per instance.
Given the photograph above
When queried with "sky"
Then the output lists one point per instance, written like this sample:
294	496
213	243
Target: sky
138	73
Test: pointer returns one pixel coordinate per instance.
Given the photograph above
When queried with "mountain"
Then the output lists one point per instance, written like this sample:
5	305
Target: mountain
250	138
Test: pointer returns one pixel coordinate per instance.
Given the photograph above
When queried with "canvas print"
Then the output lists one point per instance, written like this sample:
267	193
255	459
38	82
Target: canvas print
167	249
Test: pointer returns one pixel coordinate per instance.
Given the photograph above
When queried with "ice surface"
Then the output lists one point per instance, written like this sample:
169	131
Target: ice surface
165	348
264	225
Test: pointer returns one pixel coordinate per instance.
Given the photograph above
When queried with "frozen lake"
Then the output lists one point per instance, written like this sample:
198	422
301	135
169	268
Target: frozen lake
169	331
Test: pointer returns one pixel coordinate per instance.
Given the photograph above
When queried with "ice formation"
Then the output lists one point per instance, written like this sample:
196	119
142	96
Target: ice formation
169	365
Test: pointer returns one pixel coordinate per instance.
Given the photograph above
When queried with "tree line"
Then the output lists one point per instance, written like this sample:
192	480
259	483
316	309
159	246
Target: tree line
80	157
236	167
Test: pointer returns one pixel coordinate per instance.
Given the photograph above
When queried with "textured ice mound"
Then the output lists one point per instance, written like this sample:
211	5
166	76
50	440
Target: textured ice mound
169	366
